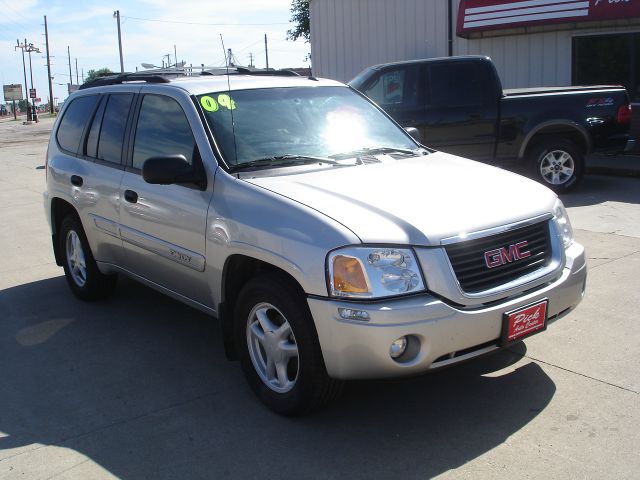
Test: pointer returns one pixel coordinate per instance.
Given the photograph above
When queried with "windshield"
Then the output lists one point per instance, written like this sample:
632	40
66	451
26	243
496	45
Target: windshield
297	121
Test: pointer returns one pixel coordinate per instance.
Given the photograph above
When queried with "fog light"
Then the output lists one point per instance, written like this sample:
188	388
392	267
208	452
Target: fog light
398	347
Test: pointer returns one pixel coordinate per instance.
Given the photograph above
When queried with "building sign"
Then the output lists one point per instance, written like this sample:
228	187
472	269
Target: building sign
485	15
12	92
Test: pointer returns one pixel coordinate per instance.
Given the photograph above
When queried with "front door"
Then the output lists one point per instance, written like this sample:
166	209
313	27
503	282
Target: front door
461	108
395	89
163	227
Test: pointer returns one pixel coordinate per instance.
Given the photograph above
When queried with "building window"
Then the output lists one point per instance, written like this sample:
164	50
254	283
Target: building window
608	59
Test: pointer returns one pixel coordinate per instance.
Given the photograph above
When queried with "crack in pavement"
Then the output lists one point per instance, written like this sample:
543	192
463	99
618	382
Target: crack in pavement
612	260
574	372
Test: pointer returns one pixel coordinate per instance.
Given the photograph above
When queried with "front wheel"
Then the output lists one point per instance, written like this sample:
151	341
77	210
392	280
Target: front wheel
279	349
557	163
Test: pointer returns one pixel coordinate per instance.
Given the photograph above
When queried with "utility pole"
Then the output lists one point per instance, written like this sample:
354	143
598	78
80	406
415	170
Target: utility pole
251	59
30	49
24	68
83	75
116	15
70	75
175	55
77	78
266	51
46	36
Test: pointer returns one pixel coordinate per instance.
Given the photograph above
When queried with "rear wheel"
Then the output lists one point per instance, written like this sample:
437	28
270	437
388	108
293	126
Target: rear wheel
80	269
279	349
557	163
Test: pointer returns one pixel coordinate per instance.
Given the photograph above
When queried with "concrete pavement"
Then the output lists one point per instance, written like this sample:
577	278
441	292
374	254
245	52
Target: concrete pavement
137	386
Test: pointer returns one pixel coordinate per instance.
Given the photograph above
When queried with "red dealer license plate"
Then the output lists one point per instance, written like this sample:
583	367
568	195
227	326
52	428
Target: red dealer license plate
526	321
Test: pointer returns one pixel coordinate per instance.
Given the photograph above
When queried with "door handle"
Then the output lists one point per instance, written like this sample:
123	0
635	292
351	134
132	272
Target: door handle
76	180
130	196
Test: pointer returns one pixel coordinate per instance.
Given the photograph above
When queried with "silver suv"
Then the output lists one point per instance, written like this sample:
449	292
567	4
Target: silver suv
329	243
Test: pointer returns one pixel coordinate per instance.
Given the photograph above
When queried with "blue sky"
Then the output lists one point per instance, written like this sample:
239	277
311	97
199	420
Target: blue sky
150	29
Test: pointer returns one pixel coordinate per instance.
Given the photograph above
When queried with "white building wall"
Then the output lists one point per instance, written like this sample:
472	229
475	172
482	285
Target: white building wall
349	35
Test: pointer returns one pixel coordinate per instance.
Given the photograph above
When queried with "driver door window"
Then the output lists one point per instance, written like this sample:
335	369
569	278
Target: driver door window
163	129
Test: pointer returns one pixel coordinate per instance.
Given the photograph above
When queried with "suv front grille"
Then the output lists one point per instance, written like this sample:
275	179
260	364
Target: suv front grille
470	259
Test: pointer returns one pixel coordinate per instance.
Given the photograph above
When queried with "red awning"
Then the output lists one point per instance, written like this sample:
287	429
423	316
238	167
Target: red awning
484	15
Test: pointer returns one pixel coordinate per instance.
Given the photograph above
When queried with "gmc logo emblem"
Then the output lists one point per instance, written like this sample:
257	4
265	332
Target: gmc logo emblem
504	255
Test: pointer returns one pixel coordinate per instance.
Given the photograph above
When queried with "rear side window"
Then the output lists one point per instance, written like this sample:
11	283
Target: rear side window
113	127
91	149
458	84
73	122
163	129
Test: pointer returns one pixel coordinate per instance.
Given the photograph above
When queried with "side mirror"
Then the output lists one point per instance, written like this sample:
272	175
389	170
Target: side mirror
171	169
415	133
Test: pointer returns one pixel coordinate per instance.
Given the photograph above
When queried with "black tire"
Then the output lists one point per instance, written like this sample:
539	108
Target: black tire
549	159
312	388
96	285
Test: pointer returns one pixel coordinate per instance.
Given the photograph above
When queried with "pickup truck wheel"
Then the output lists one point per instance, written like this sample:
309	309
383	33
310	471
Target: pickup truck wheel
279	349
557	163
80	269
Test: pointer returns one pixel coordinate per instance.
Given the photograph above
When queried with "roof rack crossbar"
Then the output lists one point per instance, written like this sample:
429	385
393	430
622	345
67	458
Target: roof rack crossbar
123	78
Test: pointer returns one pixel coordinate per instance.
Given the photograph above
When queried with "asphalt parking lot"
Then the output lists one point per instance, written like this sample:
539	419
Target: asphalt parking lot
138	386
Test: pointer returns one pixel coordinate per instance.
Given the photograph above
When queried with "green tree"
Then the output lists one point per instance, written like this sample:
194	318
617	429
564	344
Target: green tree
22	105
300	16
93	74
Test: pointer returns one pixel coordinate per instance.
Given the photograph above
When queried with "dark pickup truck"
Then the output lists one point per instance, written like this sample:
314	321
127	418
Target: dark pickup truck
458	106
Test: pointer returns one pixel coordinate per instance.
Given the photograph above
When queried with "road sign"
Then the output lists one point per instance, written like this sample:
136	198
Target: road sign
32	93
12	92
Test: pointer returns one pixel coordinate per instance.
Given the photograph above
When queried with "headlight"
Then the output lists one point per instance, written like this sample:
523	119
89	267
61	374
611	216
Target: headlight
564	225
363	272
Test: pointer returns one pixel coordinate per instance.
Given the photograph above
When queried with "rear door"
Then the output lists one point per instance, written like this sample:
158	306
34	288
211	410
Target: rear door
462	101
163	227
97	168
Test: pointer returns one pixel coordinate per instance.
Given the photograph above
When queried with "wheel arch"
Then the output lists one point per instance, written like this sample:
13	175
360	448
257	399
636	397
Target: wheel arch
237	271
59	210
557	128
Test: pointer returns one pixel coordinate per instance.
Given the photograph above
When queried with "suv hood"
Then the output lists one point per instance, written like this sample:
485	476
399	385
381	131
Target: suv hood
416	201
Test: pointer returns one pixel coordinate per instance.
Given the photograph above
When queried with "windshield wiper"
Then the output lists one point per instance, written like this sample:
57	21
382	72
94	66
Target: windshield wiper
281	161
377	150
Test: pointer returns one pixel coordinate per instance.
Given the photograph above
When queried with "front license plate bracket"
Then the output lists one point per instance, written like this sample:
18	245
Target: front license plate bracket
523	322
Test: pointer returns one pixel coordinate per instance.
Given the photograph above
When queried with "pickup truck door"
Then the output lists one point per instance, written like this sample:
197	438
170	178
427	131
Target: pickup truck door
461	113
163	226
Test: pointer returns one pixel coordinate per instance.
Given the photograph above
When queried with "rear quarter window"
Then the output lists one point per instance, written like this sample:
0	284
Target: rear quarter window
75	118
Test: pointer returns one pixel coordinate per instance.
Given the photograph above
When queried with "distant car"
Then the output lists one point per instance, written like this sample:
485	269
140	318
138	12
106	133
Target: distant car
328	242
459	107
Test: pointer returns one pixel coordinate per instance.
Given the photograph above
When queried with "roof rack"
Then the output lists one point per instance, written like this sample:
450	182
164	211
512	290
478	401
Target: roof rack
249	71
126	77
164	75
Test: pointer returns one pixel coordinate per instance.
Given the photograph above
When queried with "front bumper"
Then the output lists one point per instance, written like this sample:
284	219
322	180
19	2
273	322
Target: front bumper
360	349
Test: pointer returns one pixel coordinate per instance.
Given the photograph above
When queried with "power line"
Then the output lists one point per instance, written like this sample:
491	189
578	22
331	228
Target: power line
205	24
